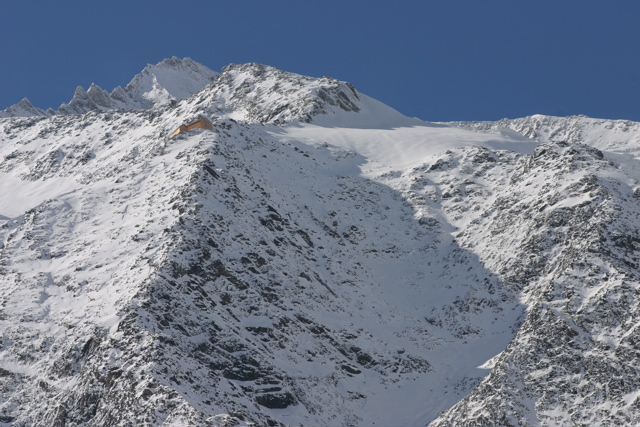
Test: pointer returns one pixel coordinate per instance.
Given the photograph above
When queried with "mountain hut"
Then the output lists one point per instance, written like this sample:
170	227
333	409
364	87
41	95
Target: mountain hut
201	123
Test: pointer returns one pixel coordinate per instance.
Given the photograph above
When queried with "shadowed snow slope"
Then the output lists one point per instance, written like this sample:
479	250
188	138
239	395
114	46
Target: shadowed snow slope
315	259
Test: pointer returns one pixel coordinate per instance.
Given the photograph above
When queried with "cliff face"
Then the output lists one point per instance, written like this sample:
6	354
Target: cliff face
315	259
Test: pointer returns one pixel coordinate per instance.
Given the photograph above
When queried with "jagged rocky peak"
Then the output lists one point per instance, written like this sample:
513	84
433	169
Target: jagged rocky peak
99	96
252	92
156	85
80	103
80	93
25	103
170	79
118	94
22	108
257	93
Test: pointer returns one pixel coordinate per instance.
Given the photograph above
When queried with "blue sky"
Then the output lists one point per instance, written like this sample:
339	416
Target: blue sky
436	60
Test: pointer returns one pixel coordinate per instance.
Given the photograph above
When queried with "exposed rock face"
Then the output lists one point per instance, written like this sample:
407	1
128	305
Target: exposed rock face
275	271
257	93
564	234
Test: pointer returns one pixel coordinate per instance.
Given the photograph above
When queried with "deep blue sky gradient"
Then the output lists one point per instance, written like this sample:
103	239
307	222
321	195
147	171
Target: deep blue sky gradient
436	60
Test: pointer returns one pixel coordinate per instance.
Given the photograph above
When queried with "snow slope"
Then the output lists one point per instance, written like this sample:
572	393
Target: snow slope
315	259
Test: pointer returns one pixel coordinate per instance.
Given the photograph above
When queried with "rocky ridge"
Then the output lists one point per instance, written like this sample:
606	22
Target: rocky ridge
156	85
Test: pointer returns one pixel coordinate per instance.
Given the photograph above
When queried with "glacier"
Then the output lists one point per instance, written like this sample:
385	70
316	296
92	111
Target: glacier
315	259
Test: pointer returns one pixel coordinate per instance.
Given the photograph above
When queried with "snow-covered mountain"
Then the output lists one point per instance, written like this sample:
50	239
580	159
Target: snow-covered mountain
157	85
315	259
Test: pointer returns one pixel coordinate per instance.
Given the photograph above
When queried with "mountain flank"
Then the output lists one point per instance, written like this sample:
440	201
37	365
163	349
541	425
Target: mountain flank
312	257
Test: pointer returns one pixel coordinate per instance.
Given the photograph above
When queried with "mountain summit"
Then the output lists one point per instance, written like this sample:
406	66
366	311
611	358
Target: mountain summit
169	80
315	258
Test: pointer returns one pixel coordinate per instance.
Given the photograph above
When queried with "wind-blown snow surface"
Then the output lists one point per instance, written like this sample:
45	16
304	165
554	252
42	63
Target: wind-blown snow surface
316	259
